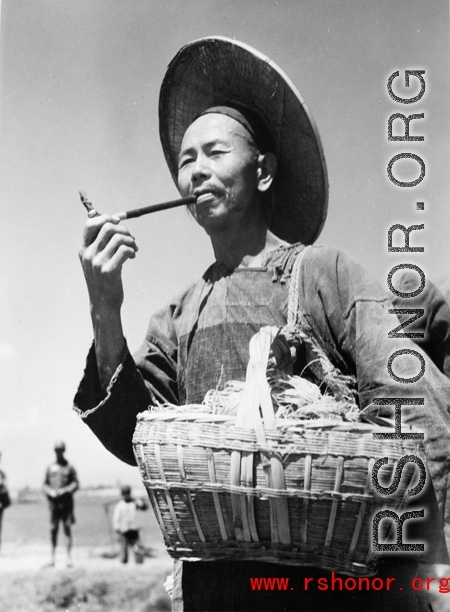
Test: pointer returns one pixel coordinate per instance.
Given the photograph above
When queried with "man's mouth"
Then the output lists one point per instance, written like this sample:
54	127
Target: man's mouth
204	195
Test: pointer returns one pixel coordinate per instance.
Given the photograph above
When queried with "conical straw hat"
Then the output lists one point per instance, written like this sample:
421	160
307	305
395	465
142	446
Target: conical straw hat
219	71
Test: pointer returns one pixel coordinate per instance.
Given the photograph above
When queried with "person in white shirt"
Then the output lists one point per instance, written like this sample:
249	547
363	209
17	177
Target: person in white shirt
126	524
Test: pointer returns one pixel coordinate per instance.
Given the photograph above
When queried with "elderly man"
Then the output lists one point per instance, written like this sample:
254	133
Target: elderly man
237	135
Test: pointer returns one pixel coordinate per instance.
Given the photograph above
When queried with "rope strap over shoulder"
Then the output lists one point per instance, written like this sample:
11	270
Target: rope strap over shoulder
299	330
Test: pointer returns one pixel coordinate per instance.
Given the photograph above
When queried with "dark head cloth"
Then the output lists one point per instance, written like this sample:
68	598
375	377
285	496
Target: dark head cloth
249	121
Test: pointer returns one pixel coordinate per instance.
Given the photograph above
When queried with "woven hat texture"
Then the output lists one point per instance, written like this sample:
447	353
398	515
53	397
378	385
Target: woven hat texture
219	71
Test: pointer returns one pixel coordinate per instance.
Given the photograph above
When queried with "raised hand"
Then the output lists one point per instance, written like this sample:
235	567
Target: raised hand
107	244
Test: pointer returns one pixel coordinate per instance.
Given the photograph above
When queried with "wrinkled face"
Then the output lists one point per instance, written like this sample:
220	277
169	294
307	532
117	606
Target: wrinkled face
218	164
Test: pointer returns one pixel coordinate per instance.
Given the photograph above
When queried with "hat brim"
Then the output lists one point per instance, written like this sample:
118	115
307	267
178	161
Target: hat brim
219	71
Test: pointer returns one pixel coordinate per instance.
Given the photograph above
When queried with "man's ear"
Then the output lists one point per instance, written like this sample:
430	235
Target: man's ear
267	167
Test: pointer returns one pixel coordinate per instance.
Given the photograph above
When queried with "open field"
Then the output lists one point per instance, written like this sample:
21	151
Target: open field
98	582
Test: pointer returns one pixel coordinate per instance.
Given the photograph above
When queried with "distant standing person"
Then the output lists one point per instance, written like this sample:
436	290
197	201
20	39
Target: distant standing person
5	500
60	484
126	524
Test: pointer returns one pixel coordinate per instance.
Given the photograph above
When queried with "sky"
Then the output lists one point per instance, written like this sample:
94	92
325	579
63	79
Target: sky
79	94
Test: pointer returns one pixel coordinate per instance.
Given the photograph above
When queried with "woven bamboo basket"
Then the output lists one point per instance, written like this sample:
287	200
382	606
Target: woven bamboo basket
260	486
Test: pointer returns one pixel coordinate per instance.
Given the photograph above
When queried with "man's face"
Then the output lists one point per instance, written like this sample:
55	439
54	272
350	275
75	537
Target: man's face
218	164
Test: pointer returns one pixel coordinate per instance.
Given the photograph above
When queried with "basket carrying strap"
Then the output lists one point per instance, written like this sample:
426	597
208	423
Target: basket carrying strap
256	396
340	385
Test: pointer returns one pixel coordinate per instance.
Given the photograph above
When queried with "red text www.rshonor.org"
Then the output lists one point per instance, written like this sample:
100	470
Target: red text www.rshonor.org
336	583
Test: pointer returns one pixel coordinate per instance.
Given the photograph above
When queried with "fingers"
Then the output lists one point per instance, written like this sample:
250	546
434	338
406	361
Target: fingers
107	243
95	226
106	246
111	238
116	250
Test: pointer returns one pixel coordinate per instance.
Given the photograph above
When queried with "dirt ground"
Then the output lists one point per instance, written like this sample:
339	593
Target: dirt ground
36	557
94	583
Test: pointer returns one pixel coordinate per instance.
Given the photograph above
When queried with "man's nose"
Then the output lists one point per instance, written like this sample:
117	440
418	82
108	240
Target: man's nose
200	169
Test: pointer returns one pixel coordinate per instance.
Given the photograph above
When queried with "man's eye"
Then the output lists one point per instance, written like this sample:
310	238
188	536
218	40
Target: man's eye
184	162
217	152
